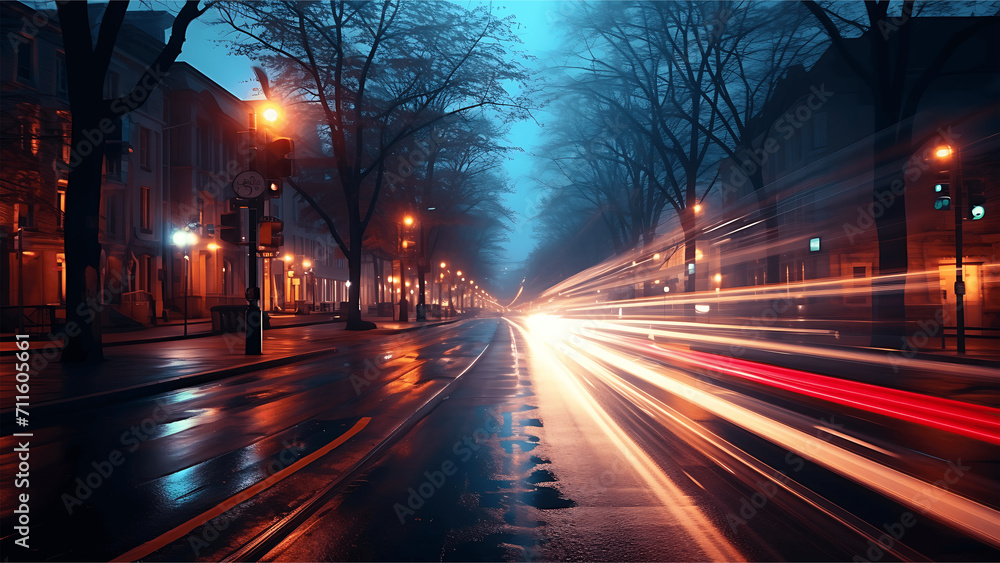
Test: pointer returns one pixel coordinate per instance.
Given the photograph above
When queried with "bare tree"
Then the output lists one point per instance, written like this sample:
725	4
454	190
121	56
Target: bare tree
880	58
87	63
379	73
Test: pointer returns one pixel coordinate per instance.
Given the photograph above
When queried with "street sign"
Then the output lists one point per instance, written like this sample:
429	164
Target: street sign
249	184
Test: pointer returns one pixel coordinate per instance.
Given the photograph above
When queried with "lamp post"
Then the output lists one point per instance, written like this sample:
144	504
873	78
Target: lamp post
185	239
404	249
953	157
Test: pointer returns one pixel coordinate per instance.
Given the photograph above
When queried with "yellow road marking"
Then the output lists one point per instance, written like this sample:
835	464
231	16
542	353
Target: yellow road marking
185	528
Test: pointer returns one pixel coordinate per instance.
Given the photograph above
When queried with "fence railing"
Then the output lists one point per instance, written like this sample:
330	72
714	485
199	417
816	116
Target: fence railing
36	320
954	333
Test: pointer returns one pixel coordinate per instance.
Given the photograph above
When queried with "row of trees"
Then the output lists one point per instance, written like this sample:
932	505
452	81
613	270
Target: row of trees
402	94
379	77
656	95
660	92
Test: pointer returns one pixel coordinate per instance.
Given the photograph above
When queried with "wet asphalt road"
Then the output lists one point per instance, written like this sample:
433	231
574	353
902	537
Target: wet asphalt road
482	440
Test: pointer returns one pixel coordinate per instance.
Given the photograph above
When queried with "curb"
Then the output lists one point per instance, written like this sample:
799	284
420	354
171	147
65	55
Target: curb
93	400
200	334
101	398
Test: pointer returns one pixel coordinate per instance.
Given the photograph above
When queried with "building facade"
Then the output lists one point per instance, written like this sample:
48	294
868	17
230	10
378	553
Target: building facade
817	162
168	168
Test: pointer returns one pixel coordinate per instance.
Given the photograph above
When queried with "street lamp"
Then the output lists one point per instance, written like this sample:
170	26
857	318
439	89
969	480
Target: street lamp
185	239
953	157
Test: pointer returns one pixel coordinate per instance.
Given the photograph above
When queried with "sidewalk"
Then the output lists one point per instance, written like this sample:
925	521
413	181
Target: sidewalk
201	327
161	359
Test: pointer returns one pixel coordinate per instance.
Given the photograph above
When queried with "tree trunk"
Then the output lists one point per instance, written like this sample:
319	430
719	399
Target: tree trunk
354	320
82	246
889	295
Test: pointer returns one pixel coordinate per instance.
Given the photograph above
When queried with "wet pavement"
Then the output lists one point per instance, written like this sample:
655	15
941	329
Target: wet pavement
503	439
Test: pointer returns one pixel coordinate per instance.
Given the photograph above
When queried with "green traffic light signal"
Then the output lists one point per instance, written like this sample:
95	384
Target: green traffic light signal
942	203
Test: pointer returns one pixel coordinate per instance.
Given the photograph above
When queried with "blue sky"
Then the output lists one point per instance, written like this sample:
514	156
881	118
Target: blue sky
539	28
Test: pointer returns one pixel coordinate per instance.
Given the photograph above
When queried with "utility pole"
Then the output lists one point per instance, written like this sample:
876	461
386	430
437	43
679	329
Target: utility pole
956	180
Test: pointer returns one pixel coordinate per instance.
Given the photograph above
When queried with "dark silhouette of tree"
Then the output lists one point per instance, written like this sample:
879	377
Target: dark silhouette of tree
379	73
880	58
93	116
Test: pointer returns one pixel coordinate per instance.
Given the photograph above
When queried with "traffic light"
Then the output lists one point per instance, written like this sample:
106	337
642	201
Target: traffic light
279	164
942	191
275	163
273	188
271	234
230	229
977	199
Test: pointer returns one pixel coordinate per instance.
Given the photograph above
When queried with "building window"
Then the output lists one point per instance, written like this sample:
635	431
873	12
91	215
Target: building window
144	219
62	76
146	275
114	150
112	216
61	206
204	148
61	277
67	137
25	59
227	277
819	130
145	150
25	213
113	87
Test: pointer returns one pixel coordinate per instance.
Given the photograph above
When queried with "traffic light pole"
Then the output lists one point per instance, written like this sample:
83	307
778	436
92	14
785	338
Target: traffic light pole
254	324
956	182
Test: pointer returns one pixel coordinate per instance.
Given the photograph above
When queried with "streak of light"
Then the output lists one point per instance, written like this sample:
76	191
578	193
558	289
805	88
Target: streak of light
857	441
974	421
686	513
891	361
957	511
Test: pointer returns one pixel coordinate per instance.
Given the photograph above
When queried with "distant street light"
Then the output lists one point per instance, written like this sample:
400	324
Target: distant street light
185	239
